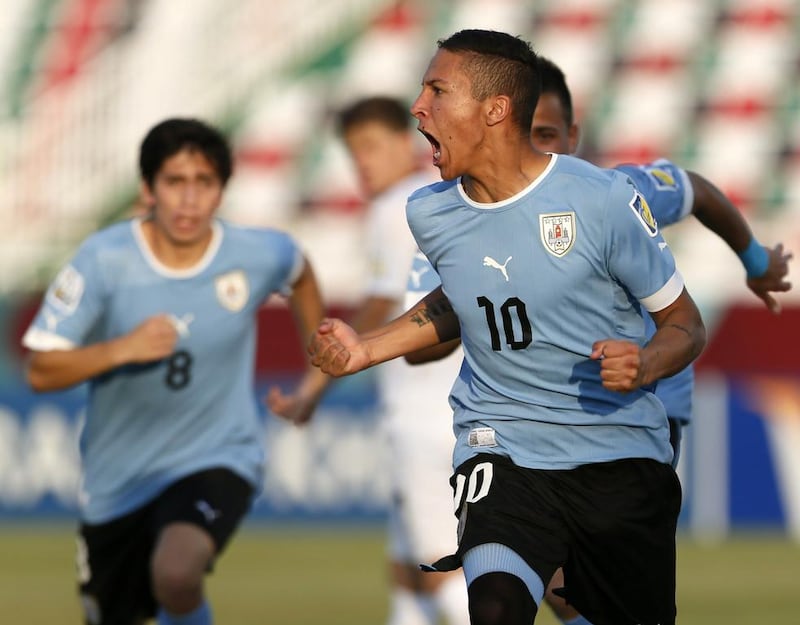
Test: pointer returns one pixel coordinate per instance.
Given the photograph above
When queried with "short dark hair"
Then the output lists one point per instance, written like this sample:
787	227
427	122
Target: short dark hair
553	81
170	136
499	64
390	112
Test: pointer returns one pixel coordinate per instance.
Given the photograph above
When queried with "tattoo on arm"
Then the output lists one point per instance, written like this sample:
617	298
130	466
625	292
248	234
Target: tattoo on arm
431	312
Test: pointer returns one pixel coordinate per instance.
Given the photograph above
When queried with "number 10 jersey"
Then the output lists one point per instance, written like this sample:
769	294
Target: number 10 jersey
535	280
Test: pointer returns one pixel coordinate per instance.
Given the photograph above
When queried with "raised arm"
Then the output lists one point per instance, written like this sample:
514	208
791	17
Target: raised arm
432	354
766	268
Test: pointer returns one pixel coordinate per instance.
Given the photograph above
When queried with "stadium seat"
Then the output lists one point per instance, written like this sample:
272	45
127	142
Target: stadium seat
647	112
663	37
505	15
575	34
749	68
737	153
711	84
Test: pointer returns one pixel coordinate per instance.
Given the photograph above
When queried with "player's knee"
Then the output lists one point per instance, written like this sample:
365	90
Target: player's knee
500	599
179	564
177	585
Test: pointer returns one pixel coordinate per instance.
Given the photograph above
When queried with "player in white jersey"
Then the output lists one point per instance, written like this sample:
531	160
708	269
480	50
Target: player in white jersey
547	262
415	417
158	315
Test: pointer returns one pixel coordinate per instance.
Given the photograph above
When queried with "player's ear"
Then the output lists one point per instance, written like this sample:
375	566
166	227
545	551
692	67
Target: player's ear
499	108
146	194
573	137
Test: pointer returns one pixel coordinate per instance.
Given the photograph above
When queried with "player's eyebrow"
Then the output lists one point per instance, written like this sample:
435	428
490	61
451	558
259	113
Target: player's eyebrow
432	82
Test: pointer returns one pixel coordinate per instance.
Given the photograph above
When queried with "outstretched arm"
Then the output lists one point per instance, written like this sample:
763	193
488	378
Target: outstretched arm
338	350
766	268
431	354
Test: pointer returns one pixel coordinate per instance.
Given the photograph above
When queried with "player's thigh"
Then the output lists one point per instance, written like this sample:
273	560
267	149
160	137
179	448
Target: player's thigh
500	503
622	519
181	557
214	500
113	570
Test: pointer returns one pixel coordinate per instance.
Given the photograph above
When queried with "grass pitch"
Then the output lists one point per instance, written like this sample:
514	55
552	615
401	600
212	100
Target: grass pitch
337	576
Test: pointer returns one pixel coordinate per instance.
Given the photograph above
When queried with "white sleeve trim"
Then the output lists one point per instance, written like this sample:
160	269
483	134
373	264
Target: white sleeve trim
295	273
40	340
665	295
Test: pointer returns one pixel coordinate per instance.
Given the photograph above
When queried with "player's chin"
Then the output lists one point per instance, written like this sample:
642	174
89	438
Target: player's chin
446	173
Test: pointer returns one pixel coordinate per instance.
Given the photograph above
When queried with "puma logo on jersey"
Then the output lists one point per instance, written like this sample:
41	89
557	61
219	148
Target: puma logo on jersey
182	323
207	511
488	261
416	276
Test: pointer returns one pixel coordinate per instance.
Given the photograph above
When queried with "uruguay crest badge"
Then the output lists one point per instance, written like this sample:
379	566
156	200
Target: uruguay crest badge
232	290
557	231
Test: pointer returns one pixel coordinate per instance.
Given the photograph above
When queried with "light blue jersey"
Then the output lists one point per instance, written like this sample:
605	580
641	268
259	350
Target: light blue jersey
535	280
670	195
149	425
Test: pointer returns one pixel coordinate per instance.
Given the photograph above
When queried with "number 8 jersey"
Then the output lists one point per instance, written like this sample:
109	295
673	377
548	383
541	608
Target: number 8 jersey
148	425
535	279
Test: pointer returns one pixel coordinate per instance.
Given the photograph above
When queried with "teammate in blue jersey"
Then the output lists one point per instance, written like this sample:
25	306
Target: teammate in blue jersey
672	193
547	264
158	315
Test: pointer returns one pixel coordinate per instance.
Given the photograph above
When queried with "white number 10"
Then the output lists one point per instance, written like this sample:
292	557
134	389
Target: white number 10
481	474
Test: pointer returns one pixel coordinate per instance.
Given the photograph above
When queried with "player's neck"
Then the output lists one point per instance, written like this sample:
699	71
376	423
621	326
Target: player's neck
171	252
501	179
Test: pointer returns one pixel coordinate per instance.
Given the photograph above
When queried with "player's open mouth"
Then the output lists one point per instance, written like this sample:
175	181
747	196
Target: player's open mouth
437	149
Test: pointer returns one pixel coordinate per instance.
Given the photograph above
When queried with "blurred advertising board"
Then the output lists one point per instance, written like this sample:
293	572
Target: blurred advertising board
740	465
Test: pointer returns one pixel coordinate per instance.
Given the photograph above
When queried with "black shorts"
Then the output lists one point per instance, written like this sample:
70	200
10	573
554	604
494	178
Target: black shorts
113	558
610	525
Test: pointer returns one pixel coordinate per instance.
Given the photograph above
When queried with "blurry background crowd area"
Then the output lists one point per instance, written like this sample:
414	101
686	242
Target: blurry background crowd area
712	84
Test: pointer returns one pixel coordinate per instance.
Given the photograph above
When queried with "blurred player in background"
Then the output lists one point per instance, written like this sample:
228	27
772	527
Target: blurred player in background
158	314
416	418
562	453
